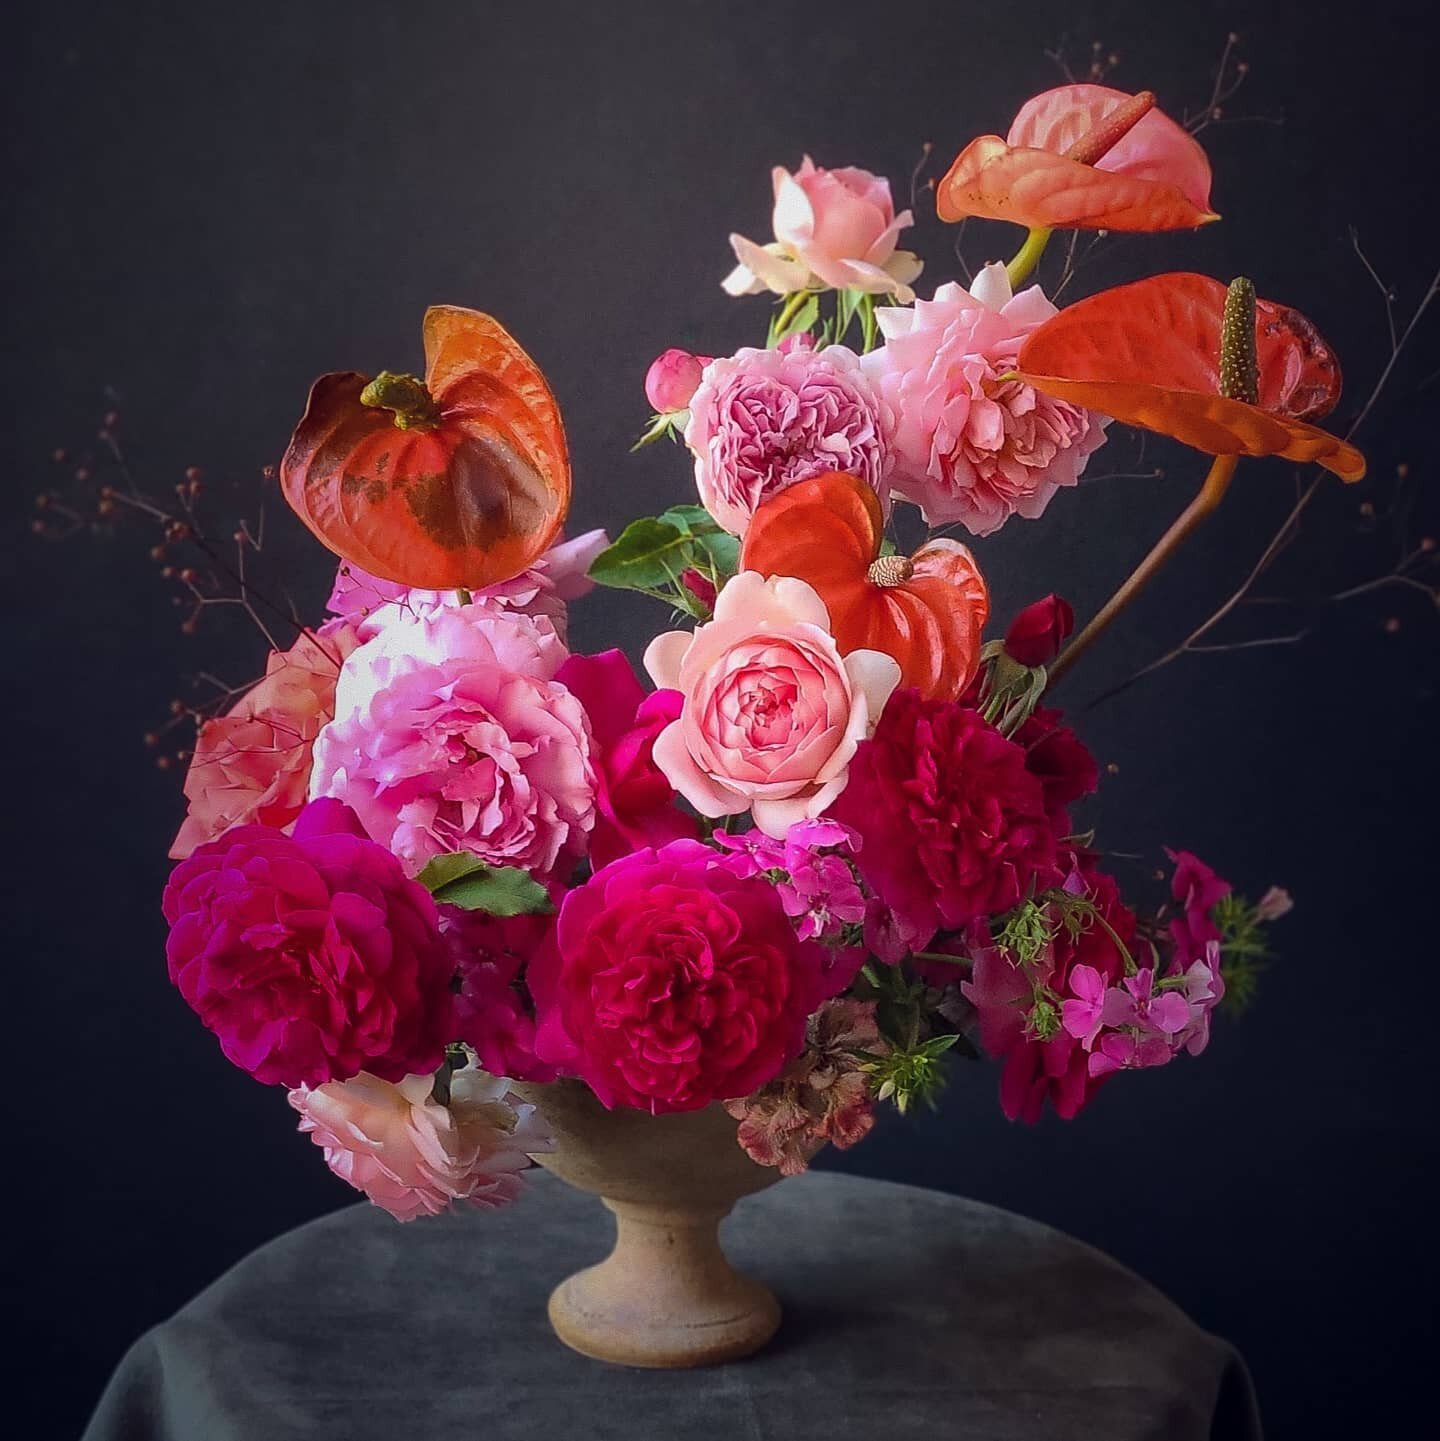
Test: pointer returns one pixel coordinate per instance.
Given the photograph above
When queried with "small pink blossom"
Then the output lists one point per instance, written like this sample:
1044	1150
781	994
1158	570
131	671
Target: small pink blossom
833	228
762	420
451	735
772	713
672	378
1198	890
972	445
1275	903
413	1156
818	886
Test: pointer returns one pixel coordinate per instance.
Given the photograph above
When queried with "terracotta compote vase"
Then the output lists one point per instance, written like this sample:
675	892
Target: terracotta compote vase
665	1296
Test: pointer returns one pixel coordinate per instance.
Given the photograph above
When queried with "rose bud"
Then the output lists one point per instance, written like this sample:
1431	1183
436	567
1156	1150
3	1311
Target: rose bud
1037	633
672	379
700	586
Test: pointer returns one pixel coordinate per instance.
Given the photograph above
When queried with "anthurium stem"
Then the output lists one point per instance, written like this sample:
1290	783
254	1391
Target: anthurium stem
1217	482
1019	266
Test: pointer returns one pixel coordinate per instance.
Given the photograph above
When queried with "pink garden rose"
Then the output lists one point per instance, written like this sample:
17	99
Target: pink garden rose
670	982
543	591
311	957
451	735
762	420
413	1156
970	446
634	802
833	228
772	712
252	765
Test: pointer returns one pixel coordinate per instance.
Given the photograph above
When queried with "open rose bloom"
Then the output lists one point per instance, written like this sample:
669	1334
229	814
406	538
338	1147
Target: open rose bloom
832	836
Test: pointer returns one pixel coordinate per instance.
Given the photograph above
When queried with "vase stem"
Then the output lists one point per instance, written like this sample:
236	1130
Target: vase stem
665	1296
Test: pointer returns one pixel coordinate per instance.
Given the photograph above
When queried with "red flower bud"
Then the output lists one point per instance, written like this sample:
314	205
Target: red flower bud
1037	633
700	586
672	379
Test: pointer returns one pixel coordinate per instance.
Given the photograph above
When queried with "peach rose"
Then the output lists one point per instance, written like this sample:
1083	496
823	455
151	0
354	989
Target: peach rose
413	1156
834	228
772	712
252	765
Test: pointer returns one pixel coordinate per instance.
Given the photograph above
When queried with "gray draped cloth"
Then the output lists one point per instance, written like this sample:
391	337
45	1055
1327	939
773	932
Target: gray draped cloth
907	1313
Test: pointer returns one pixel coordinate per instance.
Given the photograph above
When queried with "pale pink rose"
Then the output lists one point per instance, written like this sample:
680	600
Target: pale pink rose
542	591
414	1157
833	228
252	765
450	734
764	419
772	712
971	446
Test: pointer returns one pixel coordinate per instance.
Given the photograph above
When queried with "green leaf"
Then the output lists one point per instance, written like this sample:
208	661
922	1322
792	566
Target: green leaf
466	881
649	554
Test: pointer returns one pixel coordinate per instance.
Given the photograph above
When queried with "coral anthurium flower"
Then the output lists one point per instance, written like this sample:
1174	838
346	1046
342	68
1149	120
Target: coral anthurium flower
926	610
458	480
1150	354
1083	157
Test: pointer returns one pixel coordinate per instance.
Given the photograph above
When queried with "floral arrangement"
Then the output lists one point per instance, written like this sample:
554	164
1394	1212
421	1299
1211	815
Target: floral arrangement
837	839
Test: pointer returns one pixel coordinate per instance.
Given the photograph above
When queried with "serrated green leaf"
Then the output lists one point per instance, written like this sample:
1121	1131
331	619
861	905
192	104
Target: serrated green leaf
649	554
441	871
691	520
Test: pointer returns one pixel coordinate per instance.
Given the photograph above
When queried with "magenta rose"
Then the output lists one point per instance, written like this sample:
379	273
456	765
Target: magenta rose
762	420
955	827
311	956
670	982
1037	633
634	803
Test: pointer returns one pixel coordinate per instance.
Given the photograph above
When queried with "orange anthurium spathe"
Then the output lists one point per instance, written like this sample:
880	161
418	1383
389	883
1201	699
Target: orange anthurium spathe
1083	157
1149	354
459	480
926	610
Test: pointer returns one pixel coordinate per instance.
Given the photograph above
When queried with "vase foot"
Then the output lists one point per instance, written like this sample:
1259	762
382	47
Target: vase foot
665	1298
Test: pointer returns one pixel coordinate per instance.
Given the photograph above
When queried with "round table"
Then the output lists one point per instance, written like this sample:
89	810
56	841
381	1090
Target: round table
907	1313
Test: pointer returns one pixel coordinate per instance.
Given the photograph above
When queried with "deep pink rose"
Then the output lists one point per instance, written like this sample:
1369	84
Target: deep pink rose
671	982
494	1013
310	956
672	379
1037	633
772	711
954	826
450	734
833	228
764	419
634	802
970	446
1059	760
252	765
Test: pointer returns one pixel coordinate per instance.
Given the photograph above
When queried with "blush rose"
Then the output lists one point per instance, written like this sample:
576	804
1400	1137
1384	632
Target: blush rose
772	712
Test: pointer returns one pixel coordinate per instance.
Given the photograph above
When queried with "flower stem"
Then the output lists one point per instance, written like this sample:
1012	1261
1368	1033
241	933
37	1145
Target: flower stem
1211	493
1019	266
788	312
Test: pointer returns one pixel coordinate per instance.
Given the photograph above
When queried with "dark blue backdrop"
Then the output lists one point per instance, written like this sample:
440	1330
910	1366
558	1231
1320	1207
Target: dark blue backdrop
210	205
